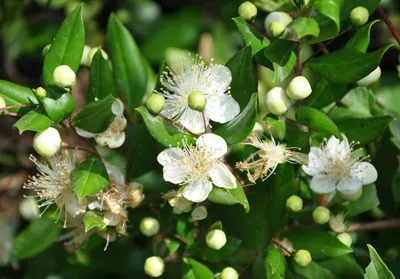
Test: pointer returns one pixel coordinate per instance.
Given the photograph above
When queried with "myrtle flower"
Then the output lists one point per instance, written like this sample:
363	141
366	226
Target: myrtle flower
197	167
114	136
334	166
198	93
263	162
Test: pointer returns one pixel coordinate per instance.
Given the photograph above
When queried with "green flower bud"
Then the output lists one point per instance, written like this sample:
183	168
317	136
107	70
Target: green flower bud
46	50
40	92
299	88
276	29
247	10
277	16
29	209
154	266
63	76
197	101
371	78
93	52
216	239
277	101
294	203
229	273
345	238
2	103
359	16
321	215
155	103
85	60
149	226
353	197
302	258
199	213
47	142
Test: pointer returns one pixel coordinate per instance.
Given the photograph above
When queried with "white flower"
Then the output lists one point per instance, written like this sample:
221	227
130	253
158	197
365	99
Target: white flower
213	81
334	166
198	167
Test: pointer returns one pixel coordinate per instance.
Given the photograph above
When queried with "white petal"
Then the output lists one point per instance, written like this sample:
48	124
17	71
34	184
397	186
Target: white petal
222	177
117	107
316	161
322	184
174	174
349	186
170	156
115	172
365	172
221	108
84	133
169	110
333	147
197	191
344	147
193	120
118	141
220	78
214	144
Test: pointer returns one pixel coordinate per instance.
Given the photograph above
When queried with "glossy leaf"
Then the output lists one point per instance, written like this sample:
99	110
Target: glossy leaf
192	269
14	94
325	92
304	26
389	98
344	267
275	264
377	269
360	40
33	121
369	200
251	37
60	108
316	119
89	177
282	55
229	196
358	103
92	220
314	270
67	47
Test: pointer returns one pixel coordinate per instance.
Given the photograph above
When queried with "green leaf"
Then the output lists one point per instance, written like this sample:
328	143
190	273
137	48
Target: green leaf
15	94
172	245
364	130
349	5
186	230
276	126
389	97
251	37
314	270
96	117
89	177
67	47
369	200
275	264
101	81
282	55
360	40
344	267
224	46
325	92
58	103
304	26
92	220
244	77
377	269
37	237
33	121
216	226
316	119
241	126
229	196
163	131
358	102
347	65
323	245
192	269
132	72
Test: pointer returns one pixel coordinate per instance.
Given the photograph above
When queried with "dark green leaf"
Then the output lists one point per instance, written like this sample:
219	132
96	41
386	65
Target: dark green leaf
250	35
344	267
389	97
172	245
275	264
67	47
216	226
325	92
229	196
59	108
33	121
89	177
186	230
314	270
316	119
369	200
192	269
15	94
282	55
92	220
241	126
304	26
377	269
360	40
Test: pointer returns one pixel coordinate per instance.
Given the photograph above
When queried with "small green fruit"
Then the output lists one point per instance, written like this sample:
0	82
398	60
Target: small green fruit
359	16
247	10
197	101
321	215
294	203
229	273
302	258
149	226
154	266
276	29
155	103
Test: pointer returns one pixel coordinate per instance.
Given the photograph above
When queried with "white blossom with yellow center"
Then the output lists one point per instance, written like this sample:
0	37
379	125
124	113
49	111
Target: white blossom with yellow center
211	82
198	167
334	166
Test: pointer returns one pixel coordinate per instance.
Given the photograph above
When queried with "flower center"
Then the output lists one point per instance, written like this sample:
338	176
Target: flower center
197	101
197	163
340	168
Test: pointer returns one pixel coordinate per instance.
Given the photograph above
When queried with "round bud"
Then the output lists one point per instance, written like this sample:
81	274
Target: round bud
93	52
302	258
47	142
277	16
155	103
40	92
277	101
229	273
85	60
197	101
149	226
247	10
2	103
345	238
29	209
299	88
352	197
63	76
199	213
276	29
359	16
154	266
216	239
46	50
321	215
371	78
294	203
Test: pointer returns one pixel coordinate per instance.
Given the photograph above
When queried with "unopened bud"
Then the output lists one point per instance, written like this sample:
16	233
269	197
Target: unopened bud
247	10
155	103
46	50
2	104
29	209
276	29
359	16
321	215
93	52
282	17
154	266
85	60
294	203
345	238
352	197
47	142
371	78
149	226
277	101
229	273
302	258
216	239
299	88
40	92
199	213
197	101
63	76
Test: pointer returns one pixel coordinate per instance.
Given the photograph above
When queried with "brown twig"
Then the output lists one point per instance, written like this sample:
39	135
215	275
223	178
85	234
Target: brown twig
18	106
13	114
389	24
79	148
261	32
378	225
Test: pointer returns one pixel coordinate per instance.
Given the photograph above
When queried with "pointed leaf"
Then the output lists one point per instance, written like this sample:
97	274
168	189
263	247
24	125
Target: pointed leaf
229	196
92	220
15	94
33	121
304	26
360	40
316	119
192	269
281	54
251	36
377	269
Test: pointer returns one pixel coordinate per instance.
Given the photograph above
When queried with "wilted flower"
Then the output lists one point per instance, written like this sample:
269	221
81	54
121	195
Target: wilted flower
178	202
198	167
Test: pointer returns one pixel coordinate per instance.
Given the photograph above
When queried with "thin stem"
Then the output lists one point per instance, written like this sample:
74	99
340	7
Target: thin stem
79	148
389	24
180	126
18	106
13	114
378	225
261	32
299	65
